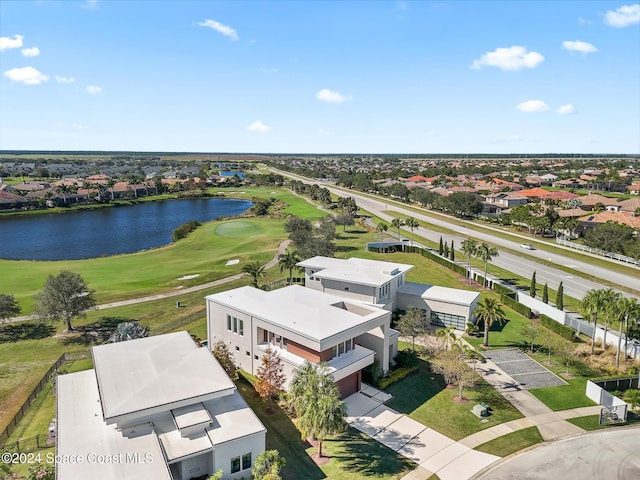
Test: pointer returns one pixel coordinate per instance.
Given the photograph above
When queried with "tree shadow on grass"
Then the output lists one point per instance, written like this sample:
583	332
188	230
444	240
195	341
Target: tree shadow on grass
414	390
14	332
367	457
94	333
345	248
283	436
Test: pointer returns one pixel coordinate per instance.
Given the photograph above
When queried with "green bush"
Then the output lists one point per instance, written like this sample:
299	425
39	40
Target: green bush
406	358
185	229
513	304
565	332
395	375
502	290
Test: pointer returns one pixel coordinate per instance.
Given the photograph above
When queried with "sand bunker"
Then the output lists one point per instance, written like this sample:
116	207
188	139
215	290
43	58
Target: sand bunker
233	262
189	277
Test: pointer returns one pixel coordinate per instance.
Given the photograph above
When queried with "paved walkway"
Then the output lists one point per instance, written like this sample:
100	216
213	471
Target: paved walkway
436	453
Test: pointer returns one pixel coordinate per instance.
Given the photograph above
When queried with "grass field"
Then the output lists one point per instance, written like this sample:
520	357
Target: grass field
512	442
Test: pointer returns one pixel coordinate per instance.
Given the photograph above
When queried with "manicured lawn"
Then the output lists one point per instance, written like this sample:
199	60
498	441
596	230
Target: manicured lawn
591	422
424	398
353	455
512	442
564	397
507	335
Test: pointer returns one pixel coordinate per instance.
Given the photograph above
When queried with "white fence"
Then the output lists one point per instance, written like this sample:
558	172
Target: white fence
544	308
597	251
604	398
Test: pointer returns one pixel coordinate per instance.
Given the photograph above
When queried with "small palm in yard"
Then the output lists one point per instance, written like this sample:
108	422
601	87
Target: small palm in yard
255	271
469	248
128	331
489	312
486	253
289	261
382	227
316	399
397	223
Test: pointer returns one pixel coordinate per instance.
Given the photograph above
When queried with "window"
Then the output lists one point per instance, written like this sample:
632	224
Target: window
247	353
241	332
235	464
334	351
246	461
237	348
255	357
340	348
235	325
348	345
229	322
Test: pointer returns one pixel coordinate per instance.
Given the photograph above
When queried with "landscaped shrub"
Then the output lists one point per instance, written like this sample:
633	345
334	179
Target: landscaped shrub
502	290
185	229
396	375
406	358
562	330
513	304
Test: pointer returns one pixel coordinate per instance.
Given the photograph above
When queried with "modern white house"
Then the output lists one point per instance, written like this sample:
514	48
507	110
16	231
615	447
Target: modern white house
302	324
384	284
341	316
368	281
159	407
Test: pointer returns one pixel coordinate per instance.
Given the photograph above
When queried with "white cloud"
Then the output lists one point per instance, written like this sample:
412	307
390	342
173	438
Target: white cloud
8	42
578	46
330	96
60	79
532	106
623	17
26	75
219	27
567	109
582	21
259	127
94	90
30	52
510	58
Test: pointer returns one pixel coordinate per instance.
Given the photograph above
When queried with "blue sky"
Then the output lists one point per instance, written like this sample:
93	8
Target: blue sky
321	77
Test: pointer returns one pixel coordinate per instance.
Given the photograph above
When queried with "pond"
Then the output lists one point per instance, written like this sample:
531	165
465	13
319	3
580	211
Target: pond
106	231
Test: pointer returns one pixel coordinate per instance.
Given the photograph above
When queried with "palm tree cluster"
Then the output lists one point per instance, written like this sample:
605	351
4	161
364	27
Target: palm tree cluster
483	252
610	305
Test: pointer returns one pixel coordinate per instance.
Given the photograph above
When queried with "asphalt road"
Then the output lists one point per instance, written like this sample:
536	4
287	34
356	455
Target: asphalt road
610	454
523	264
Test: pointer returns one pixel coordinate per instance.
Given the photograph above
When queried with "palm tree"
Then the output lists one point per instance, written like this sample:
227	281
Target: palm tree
397	223
610	299
413	224
323	413
485	253
255	271
625	308
489	312
382	227
289	261
448	334
469	248
591	305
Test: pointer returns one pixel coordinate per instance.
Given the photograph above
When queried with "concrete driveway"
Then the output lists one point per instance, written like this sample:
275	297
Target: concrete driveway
434	452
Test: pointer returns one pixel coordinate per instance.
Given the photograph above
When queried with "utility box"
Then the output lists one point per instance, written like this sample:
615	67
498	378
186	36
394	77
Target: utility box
480	411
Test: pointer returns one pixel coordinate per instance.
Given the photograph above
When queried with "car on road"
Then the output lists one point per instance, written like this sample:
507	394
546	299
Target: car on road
527	246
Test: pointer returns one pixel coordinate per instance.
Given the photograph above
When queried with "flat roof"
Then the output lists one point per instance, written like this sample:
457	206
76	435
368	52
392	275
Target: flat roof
361	271
82	432
307	312
163	370
232	419
441	294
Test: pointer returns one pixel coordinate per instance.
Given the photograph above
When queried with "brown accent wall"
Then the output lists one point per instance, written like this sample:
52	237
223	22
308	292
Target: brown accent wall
304	352
350	385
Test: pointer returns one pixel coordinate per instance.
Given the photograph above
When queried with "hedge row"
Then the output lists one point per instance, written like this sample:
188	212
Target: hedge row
564	331
513	304
502	290
396	375
184	230
459	269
